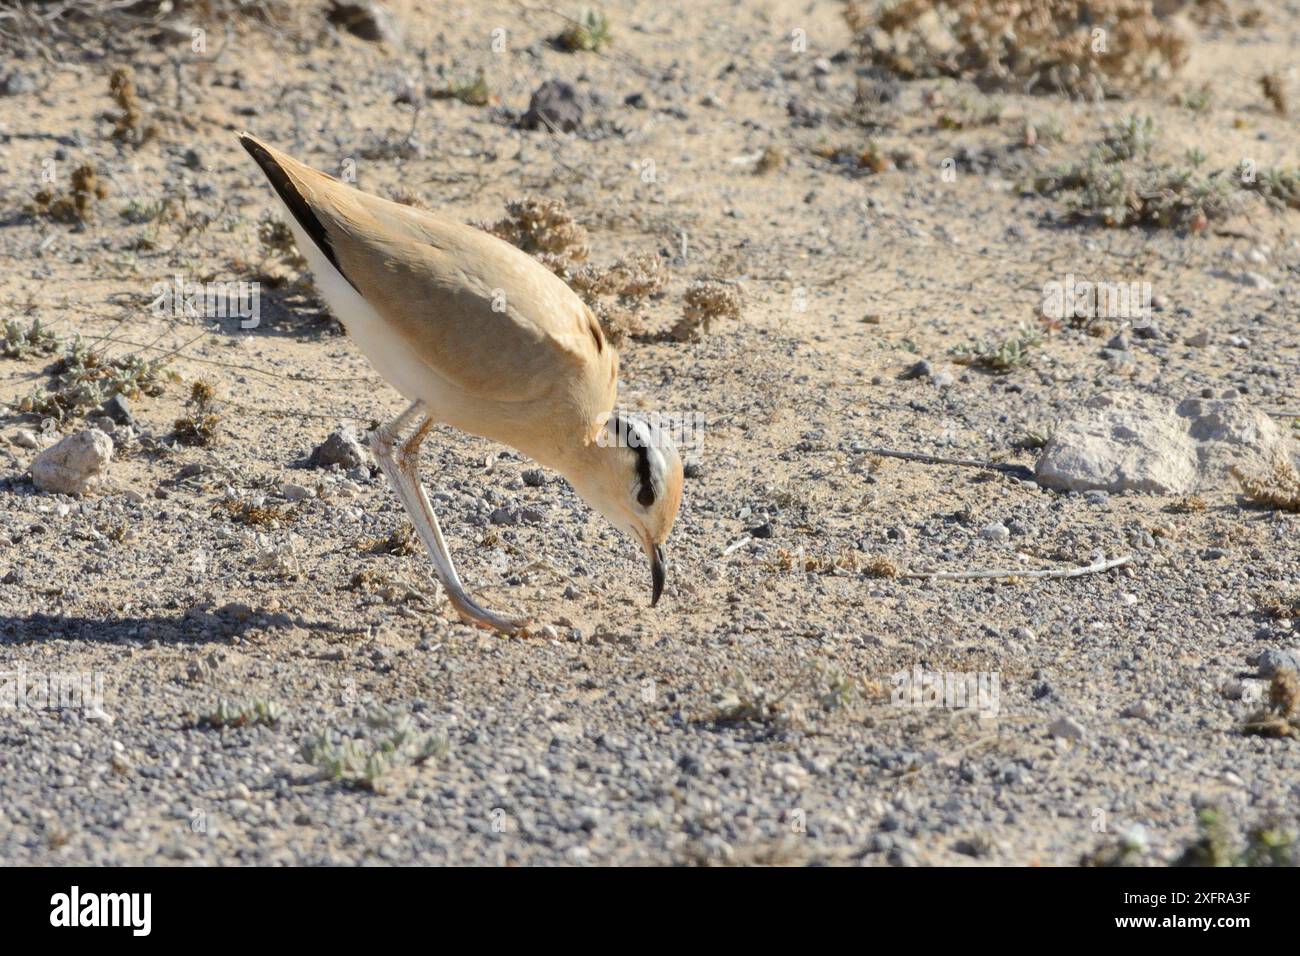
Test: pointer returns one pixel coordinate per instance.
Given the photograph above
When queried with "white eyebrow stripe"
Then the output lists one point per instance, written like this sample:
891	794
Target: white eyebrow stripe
658	468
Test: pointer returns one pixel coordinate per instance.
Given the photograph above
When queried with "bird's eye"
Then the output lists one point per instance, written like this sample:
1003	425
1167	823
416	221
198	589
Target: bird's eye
646	496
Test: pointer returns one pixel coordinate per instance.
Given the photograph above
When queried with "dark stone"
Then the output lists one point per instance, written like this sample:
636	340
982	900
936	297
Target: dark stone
365	19
556	106
340	448
921	369
118	409
15	83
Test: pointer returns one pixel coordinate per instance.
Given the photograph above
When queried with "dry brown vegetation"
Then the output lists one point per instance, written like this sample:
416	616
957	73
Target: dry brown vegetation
1089	48
1279	489
77	205
616	293
705	302
201	425
1280	716
544	228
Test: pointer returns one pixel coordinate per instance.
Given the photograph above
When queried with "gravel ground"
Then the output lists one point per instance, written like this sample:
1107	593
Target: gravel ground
750	717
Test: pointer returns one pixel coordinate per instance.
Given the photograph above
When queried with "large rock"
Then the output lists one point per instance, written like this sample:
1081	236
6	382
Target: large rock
1138	442
340	448
73	466
555	106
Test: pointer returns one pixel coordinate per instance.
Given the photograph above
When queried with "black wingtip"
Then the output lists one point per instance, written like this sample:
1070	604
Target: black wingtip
293	199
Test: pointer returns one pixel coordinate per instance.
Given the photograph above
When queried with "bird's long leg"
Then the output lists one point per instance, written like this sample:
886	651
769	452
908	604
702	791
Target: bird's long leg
401	464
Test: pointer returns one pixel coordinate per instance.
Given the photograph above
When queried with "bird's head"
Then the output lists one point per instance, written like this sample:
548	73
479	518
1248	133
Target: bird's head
634	478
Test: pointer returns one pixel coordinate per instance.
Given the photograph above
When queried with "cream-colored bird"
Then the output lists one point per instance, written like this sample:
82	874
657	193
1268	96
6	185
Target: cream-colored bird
478	335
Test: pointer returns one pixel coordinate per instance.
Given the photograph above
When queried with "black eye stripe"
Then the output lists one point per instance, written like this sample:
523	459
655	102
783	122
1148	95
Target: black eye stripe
628	429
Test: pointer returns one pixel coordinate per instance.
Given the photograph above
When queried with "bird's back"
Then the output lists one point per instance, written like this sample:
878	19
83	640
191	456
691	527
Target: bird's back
498	331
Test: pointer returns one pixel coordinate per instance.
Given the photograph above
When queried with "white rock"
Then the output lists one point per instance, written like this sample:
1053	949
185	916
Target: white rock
25	438
995	532
1136	442
1141	710
1066	727
1130	442
72	466
1231	433
294	492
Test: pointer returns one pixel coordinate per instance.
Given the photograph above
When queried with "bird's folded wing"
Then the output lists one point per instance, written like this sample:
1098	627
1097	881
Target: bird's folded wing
475	309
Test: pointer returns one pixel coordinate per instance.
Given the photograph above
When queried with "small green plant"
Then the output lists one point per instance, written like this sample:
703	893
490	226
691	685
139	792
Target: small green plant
1000	355
228	713
1265	845
742	701
1200	100
823	688
472	91
1125	850
1035	435
1279	187
1213	845
590	33
85	378
1117	185
34	338
834	688
167	209
388	743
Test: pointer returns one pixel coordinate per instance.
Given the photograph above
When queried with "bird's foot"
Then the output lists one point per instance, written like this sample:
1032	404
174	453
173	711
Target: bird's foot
474	613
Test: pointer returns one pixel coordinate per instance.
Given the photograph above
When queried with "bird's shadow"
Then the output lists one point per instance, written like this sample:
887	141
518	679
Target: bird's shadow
193	627
286	310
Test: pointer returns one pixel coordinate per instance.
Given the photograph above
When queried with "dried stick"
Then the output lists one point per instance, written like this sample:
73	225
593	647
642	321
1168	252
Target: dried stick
1018	573
940	460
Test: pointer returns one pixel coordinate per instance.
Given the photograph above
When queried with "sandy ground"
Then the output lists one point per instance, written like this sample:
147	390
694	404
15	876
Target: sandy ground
747	718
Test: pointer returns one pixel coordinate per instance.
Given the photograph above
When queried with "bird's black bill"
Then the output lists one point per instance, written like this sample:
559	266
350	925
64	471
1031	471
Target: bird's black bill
658	573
